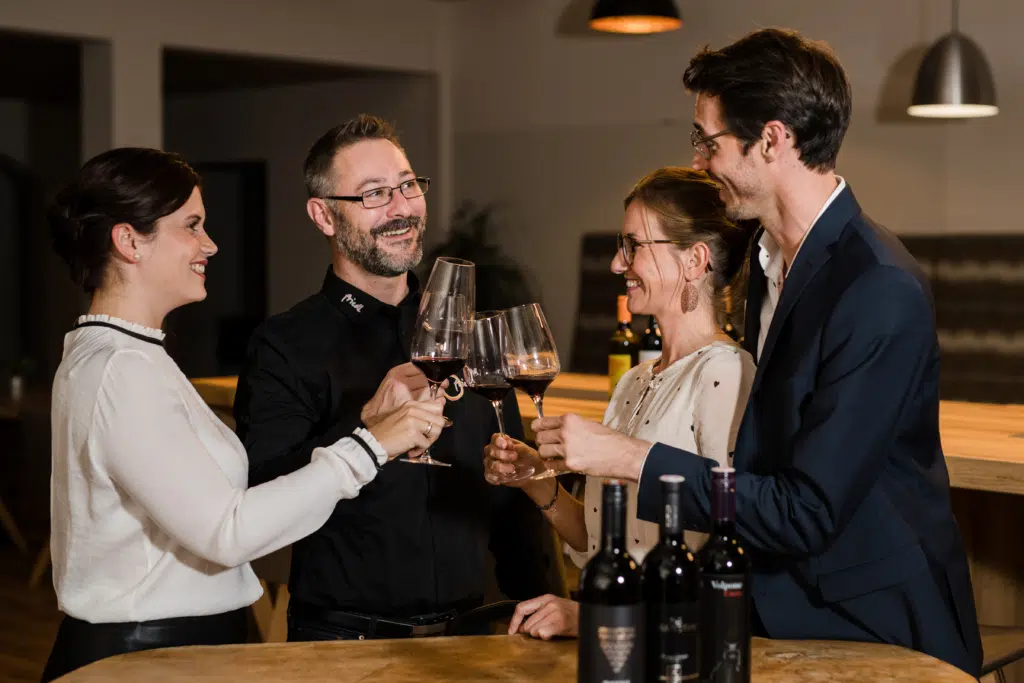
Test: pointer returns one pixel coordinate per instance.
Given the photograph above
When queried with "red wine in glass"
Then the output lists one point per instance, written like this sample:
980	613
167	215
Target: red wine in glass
437	369
495	393
440	345
532	362
533	386
485	374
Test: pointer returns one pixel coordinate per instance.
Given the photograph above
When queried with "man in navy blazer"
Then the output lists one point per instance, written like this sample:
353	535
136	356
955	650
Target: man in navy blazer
842	493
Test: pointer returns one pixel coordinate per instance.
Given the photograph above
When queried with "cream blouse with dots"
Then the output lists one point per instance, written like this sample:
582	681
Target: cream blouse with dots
695	404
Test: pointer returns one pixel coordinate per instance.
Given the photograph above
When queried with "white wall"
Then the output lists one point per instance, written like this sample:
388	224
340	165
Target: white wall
557	123
352	32
279	125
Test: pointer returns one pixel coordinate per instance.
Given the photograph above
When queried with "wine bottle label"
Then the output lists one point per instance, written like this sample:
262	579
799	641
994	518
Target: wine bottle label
674	651
611	644
618	365
649	355
724	629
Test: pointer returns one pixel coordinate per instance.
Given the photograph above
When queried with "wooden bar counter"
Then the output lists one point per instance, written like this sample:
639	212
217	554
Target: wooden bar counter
488	658
984	448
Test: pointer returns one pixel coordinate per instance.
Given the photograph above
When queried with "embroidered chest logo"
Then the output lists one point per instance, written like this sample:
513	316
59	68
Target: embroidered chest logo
351	301
454	382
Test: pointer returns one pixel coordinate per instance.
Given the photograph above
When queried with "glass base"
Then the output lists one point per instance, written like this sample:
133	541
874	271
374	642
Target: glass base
552	468
547	474
522	473
425	460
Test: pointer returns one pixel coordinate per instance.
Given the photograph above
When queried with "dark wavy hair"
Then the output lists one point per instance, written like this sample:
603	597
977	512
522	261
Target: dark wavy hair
130	185
778	75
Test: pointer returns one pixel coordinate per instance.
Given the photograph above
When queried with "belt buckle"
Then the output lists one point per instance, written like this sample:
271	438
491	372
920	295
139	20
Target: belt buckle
435	626
423	630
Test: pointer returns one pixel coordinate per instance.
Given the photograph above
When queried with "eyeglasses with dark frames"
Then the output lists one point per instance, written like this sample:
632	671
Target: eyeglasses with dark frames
381	196
628	244
700	142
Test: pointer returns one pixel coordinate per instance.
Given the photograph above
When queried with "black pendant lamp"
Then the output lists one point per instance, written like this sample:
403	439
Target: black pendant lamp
635	16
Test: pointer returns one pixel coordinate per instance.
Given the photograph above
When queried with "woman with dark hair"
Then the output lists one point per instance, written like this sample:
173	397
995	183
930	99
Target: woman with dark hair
153	525
680	256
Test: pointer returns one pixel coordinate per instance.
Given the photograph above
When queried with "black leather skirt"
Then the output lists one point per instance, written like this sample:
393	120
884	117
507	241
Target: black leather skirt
79	642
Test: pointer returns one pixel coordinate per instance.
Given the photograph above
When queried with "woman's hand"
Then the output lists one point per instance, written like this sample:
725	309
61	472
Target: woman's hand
414	425
500	457
546	617
590	448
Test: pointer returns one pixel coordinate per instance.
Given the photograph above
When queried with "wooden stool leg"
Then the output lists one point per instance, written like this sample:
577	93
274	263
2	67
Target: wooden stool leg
39	568
7	520
279	621
263	612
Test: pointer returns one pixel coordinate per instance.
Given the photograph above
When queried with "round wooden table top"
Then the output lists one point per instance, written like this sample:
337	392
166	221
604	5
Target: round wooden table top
489	658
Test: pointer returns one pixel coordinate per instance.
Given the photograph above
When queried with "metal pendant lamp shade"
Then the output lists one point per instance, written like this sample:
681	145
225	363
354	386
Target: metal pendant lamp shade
954	80
635	16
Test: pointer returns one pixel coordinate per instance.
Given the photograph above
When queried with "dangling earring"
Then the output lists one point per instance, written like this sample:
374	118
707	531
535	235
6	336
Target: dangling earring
689	298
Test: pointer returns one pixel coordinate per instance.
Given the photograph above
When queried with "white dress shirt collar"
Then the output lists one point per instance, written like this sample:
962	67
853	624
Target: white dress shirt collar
770	255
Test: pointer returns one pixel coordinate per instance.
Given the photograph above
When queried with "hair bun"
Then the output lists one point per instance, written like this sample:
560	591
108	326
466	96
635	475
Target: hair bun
66	232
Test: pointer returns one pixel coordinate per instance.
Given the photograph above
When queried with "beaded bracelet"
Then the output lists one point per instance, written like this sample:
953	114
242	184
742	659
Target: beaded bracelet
553	499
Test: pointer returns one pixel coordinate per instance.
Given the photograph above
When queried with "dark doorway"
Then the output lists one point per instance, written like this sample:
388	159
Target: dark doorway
209	338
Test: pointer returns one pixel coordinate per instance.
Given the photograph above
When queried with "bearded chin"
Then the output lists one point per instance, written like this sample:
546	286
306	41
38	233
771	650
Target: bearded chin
364	252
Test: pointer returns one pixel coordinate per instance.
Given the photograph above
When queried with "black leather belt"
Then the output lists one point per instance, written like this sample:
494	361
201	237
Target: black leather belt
374	626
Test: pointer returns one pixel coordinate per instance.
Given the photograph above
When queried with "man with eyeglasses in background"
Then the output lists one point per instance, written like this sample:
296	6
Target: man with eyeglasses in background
409	553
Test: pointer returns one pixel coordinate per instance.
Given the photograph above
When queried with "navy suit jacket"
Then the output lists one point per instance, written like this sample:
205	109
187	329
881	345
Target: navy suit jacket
842	493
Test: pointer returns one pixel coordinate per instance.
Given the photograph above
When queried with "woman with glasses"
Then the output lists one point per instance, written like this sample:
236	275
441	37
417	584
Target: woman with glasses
153	523
680	257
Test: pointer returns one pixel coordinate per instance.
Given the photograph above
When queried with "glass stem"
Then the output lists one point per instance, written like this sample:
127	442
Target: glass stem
539	402
433	396
498	411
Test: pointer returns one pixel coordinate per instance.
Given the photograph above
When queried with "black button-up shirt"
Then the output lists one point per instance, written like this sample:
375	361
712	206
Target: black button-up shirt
413	541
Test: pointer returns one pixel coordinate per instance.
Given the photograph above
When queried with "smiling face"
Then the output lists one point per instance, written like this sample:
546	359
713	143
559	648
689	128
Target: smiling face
388	240
172	263
654	279
742	181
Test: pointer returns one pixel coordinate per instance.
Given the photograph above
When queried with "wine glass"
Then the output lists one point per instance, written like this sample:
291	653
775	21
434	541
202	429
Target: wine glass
440	345
531	361
453	276
485	373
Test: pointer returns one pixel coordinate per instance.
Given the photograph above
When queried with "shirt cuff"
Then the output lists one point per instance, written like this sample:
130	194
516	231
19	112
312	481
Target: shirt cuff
640	474
378	451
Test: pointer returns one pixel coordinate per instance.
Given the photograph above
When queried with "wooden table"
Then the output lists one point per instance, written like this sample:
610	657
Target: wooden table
488	658
984	448
983	442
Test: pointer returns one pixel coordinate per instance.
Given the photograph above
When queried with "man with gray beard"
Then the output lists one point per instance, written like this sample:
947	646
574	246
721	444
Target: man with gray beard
409	553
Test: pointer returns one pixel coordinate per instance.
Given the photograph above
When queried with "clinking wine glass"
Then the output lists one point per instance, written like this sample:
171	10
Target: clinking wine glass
440	345
452	277
455	277
485	374
532	363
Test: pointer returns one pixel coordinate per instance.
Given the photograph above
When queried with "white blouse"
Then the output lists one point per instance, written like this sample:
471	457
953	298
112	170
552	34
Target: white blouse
695	404
151	514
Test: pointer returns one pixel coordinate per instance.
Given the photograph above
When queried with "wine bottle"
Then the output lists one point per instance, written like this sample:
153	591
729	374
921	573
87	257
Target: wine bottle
622	351
724	590
611	602
671	590
729	329
650	343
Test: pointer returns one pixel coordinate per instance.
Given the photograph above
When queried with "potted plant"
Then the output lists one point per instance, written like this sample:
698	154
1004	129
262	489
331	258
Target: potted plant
500	282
